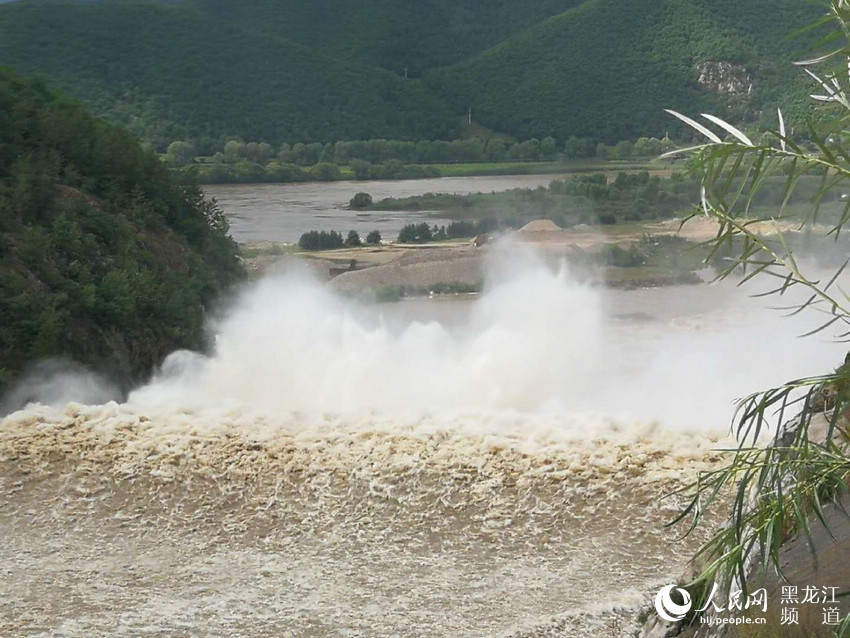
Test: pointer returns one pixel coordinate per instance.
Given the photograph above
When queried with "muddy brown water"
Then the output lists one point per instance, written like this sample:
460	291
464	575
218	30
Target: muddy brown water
282	212
234	519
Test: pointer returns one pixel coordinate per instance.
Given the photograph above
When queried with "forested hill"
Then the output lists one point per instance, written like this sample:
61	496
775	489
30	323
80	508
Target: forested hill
392	34
607	69
171	72
325	70
104	258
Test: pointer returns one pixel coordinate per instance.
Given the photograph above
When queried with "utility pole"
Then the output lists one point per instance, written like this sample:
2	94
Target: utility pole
469	116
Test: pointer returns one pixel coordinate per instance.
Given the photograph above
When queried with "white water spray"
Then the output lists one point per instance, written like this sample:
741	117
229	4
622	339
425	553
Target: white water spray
535	342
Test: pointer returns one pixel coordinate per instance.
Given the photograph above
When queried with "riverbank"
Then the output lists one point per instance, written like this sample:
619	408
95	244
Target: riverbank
624	256
620	256
230	174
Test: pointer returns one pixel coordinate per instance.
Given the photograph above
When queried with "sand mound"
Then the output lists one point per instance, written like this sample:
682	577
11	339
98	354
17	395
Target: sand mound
542	231
540	226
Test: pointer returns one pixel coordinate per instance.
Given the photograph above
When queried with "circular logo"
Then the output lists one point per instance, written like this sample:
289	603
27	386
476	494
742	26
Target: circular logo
669	610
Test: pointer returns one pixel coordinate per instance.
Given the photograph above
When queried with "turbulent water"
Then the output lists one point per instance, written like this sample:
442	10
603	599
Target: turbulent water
490	467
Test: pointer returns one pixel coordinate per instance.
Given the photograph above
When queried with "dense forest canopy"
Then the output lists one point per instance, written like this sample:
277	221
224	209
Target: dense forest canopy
168	73
608	69
104	258
296	71
417	36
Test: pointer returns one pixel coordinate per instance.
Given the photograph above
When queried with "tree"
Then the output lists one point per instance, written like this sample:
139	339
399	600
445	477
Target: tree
462	229
234	150
353	239
623	150
647	147
285	154
180	153
415	234
343	152
495	149
245	171
309	240
316	240
575	147
373	238
259	153
327	154
324	172
98	239
547	147
528	150
778	487
306	154
362	169
360	201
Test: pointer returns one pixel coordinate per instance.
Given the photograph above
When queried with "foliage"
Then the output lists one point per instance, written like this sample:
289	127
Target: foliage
415	234
396	36
379	151
781	489
180	153
645	56
244	171
236	161
533	168
368	153
658	257
360	200
324	240
459	229
173	72
331	240
208	71
589	198
353	239
104	257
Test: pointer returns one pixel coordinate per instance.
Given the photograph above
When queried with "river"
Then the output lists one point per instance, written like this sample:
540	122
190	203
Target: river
487	465
282	212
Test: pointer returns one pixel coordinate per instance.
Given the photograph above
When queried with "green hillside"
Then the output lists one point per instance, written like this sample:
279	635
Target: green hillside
298	71
103	257
394	35
170	72
607	69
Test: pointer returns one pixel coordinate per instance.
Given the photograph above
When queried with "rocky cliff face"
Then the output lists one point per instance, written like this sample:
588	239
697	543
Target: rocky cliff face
724	78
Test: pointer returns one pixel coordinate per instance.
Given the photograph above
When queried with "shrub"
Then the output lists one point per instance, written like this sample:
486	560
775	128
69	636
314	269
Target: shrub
315	240
415	234
457	230
360	201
